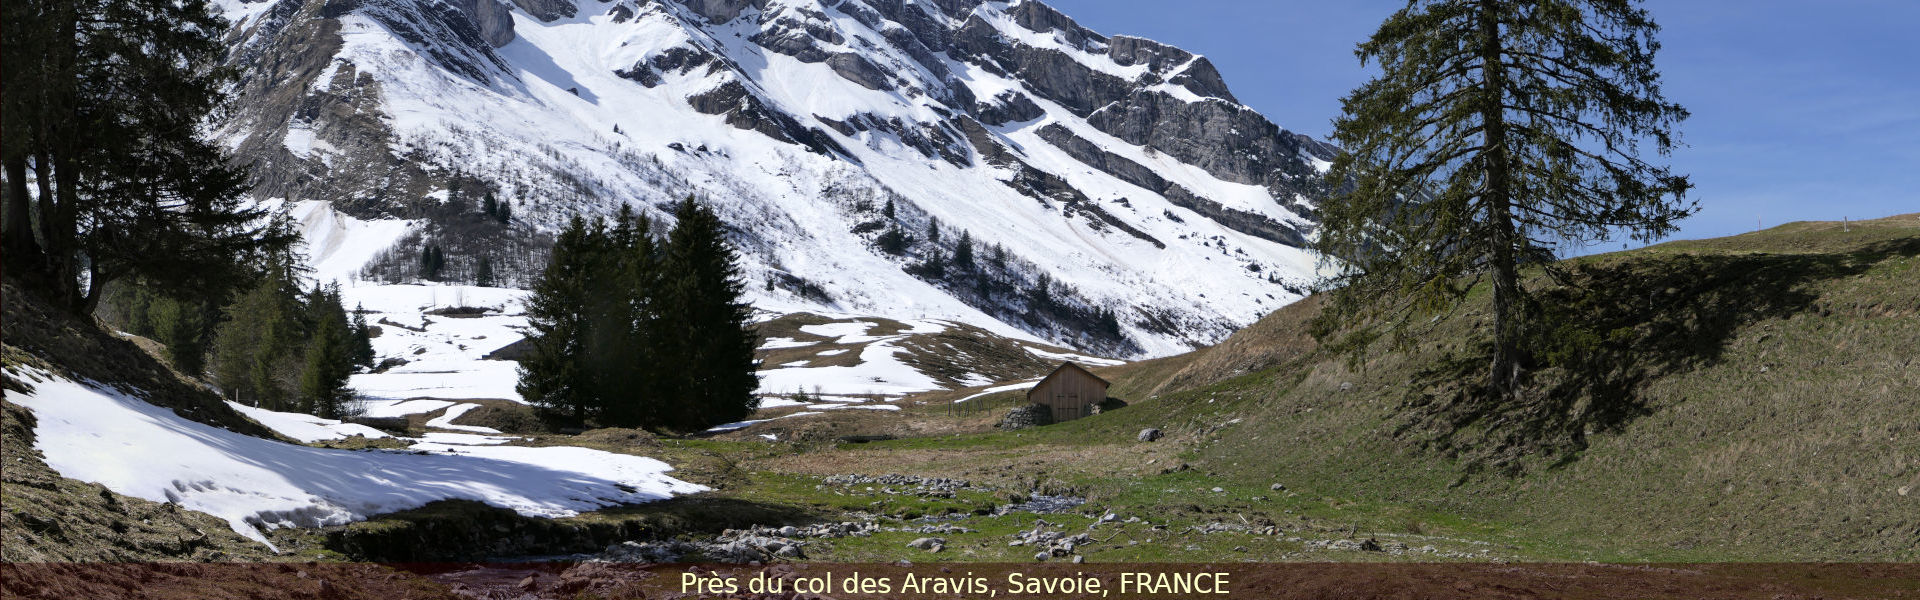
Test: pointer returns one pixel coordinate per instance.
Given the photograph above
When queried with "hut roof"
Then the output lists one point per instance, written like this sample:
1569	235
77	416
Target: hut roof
1064	366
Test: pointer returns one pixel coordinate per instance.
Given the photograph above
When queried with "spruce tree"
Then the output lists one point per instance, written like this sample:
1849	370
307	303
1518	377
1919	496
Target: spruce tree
483	272
102	119
639	389
323	377
1496	131
255	349
432	260
892	241
362	348
933	230
711	354
182	327
963	251
555	376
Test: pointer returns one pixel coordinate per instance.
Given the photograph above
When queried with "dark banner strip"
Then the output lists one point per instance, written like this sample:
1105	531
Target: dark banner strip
932	581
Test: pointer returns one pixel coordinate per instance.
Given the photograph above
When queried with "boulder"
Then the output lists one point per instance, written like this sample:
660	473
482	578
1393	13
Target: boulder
1149	434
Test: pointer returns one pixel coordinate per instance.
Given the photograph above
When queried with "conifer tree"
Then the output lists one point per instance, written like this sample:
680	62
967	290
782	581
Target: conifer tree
555	375
323	378
702	294
362	347
892	241
963	251
256	348
640	389
105	173
1497	130
933	230
483	272
432	260
181	326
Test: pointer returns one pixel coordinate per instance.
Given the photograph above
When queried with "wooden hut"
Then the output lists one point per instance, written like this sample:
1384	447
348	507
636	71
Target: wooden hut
1071	391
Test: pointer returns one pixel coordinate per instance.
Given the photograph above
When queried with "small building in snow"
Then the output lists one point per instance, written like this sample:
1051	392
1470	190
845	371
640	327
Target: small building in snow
1071	391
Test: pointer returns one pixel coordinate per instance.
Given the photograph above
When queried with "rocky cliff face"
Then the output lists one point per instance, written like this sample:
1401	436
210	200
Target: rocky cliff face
1117	195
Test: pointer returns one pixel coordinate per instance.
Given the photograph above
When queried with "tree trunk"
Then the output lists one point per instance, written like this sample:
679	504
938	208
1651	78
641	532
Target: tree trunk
23	252
1505	376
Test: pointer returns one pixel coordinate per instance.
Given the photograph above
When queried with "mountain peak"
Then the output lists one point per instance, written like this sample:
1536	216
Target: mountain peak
1121	198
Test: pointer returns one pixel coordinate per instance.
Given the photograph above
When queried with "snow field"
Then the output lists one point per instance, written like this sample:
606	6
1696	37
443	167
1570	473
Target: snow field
138	449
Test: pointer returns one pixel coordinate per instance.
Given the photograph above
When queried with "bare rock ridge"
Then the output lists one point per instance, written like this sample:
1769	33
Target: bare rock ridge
1090	160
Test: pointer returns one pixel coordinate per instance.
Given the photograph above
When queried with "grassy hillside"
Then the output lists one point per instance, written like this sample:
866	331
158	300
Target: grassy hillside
1751	397
1747	398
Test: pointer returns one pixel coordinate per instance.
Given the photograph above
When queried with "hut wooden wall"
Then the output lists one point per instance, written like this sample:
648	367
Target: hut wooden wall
1070	392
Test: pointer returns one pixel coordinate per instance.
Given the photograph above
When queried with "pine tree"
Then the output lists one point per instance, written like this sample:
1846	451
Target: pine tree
963	251
483	272
1496	129
887	211
489	206
711	356
933	230
504	212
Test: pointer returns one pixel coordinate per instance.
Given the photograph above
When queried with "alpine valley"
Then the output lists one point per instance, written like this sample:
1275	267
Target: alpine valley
1118	199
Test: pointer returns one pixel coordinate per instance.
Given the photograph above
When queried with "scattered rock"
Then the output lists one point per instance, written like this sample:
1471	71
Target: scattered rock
1149	434
1277	487
926	543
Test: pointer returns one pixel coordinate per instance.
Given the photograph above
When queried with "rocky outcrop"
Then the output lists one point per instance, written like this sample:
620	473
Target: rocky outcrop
493	19
548	10
1007	107
1050	73
745	110
1228	140
859	70
1038	17
1093	155
721	11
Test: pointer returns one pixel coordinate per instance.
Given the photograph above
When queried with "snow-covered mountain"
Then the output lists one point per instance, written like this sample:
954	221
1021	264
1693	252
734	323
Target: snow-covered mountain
1117	197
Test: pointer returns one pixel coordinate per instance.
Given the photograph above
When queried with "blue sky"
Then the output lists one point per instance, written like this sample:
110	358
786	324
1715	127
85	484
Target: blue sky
1801	110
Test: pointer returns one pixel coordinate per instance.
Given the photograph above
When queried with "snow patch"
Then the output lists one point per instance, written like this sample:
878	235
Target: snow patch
134	448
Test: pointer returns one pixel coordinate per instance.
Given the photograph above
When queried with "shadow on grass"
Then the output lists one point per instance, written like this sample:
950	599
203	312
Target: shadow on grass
1599	342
